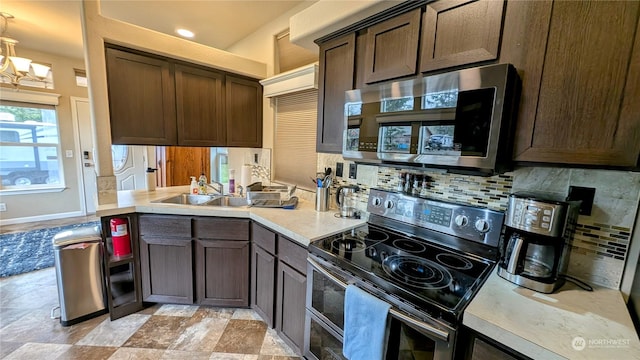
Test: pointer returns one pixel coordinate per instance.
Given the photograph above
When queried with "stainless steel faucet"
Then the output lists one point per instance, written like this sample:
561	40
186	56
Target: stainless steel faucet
219	190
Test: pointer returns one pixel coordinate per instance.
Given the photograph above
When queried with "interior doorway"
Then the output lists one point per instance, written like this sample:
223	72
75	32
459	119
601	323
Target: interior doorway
176	164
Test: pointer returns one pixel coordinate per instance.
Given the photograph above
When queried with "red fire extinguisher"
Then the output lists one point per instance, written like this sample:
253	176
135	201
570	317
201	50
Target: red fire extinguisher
120	237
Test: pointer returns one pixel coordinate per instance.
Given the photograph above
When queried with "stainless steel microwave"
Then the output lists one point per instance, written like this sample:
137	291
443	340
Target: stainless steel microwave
461	120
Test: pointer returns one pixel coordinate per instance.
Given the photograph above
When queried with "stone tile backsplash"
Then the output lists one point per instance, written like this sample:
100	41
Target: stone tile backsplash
601	241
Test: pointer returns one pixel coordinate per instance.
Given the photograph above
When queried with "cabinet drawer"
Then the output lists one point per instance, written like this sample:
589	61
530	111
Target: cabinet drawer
292	254
263	237
221	229
165	226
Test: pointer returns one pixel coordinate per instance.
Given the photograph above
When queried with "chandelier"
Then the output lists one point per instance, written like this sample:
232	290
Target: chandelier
14	68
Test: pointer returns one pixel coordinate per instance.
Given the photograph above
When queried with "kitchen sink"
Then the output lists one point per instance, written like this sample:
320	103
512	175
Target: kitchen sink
187	199
227	201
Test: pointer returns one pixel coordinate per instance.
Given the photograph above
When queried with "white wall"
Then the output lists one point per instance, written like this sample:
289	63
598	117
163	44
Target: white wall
52	205
259	46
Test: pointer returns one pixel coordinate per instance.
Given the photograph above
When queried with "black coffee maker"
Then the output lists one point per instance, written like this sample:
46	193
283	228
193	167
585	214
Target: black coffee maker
535	244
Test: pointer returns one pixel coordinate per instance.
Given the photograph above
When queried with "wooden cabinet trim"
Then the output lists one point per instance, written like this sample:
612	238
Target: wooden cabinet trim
292	254
165	226
403	64
263	237
488	50
221	228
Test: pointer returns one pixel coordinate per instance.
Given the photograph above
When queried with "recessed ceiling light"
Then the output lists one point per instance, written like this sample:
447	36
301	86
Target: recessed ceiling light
185	33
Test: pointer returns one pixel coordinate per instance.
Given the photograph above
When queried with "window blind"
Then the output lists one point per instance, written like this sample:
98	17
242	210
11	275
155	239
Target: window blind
294	151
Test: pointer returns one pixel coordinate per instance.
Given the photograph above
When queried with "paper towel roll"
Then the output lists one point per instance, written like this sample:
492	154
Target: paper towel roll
245	176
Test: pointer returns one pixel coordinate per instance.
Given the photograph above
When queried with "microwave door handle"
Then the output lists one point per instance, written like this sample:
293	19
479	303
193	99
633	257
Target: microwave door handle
515	245
442	335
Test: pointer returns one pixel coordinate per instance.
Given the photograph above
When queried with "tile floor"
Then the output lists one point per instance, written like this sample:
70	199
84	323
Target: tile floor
158	332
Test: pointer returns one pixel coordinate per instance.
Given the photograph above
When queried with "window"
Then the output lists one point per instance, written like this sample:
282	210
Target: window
29	146
294	154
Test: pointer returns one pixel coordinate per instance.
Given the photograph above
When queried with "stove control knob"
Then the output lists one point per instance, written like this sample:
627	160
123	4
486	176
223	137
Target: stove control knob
461	220
389	204
372	252
383	255
482	225
376	201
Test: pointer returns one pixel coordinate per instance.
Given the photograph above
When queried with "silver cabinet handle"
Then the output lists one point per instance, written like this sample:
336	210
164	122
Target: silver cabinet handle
440	334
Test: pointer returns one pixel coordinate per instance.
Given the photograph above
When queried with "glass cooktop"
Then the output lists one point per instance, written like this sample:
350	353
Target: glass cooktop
410	268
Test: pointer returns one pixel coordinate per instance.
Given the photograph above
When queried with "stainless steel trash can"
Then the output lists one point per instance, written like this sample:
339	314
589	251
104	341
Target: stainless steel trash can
78	262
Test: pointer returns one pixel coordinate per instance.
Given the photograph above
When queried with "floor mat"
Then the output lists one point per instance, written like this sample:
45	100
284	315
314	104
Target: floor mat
32	250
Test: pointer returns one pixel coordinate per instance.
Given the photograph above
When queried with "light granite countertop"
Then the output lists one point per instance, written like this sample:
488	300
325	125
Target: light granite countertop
302	224
569	324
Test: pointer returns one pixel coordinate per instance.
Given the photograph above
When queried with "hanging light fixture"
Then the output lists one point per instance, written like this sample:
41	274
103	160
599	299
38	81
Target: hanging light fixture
15	68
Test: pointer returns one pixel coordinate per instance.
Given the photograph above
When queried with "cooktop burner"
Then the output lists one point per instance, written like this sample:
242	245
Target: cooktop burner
409	245
417	272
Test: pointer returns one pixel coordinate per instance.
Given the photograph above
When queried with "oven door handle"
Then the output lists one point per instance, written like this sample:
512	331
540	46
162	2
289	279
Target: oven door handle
440	334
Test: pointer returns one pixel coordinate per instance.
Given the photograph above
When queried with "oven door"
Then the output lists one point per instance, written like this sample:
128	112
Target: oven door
409	338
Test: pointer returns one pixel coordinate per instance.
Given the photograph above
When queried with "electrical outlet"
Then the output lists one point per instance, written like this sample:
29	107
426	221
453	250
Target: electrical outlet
3	207
353	170
586	195
339	169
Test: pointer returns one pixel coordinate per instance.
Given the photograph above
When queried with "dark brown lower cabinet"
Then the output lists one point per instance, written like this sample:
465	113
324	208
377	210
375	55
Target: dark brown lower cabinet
222	272
263	268
167	274
290	303
279	284
472	345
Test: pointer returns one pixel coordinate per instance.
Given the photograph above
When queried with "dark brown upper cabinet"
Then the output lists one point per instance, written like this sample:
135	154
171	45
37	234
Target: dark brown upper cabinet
199	106
392	47
336	75
161	101
243	112
141	99
460	32
580	67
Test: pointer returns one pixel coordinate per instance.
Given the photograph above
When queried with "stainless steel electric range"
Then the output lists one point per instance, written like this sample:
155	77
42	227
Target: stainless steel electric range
424	257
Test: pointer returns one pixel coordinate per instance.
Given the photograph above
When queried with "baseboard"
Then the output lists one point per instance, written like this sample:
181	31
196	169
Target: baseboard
41	218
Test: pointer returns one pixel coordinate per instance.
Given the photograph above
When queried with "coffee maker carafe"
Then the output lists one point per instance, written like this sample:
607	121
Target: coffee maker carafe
535	243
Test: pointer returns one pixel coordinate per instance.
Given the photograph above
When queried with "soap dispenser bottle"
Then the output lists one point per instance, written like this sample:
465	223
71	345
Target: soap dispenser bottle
194	186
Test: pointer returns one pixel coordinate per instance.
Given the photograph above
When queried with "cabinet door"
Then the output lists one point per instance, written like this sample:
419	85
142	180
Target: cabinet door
291	298
460	32
141	99
222	273
486	351
199	107
392	47
243	112
263	283
336	75
585	107
167	272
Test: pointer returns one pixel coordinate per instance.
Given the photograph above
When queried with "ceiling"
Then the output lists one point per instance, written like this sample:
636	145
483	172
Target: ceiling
54	26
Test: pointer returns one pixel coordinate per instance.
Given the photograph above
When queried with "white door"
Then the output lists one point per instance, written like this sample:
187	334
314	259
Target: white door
84	147
129	166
